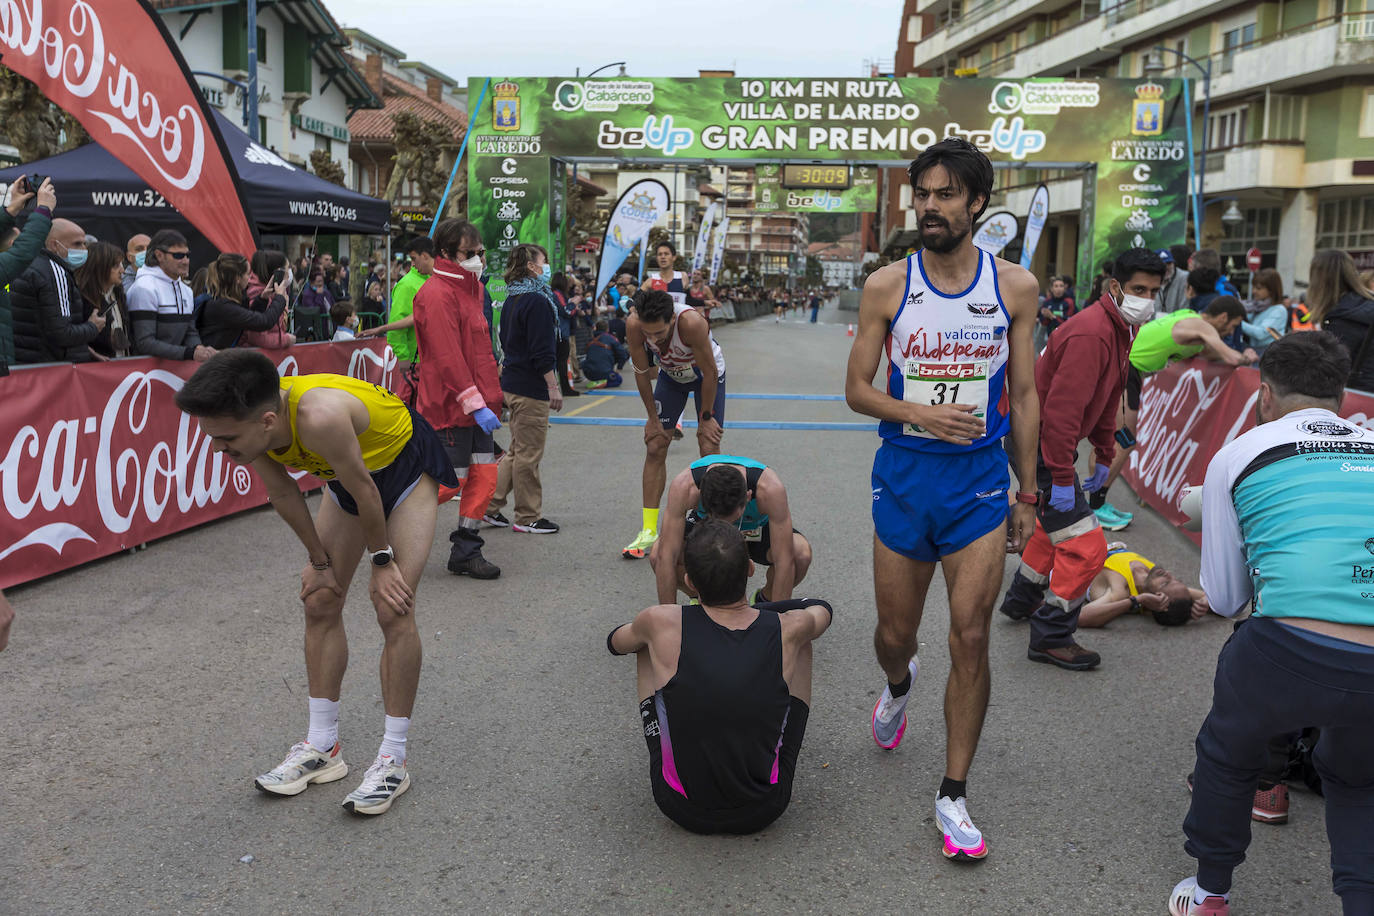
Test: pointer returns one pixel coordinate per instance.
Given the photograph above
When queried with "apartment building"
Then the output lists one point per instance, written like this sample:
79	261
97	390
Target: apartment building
768	245
1283	108
306	86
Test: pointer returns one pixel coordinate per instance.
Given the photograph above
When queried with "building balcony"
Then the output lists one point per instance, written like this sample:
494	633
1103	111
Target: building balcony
1094	41
1272	164
1328	49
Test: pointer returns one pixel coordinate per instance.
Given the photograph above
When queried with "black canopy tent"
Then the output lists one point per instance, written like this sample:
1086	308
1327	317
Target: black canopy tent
109	201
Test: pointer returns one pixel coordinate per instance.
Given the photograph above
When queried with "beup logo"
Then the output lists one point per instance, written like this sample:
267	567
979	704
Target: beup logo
655	134
640	207
824	201
601	95
1042	97
954	371
509	211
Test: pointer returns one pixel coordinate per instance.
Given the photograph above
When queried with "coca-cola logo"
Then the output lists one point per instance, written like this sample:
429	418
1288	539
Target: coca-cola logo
1165	437
132	466
173	141
128	476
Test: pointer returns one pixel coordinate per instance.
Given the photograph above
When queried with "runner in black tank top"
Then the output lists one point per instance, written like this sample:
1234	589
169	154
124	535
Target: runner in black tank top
724	691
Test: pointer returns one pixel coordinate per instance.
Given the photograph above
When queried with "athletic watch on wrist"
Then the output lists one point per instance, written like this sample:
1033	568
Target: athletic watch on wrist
1135	603
383	557
1030	499
706	415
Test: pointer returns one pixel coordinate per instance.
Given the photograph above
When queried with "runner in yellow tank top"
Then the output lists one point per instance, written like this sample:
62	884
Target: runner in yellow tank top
374	453
1128	582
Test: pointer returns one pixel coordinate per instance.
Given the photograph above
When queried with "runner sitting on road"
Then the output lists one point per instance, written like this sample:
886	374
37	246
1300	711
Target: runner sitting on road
1127	582
680	337
1167	339
751	497
376	455
958	376
724	690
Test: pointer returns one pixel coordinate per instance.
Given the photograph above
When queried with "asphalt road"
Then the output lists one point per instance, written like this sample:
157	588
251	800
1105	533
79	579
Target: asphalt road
144	692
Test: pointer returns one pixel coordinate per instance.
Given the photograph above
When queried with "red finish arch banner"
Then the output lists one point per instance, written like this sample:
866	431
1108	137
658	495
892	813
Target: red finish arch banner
112	65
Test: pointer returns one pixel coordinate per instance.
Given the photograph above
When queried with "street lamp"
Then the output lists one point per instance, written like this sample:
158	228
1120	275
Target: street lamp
620	63
1154	66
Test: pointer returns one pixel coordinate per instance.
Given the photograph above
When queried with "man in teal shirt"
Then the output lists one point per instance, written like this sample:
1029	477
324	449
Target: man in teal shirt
400	327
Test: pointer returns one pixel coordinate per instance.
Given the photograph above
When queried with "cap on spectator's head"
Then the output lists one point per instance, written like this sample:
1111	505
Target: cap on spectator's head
1165	256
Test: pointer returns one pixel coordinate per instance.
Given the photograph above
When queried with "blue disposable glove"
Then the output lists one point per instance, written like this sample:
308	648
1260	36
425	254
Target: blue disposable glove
1062	498
1095	482
489	421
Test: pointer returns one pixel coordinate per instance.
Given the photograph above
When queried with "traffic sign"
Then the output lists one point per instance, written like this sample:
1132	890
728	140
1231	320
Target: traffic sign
1252	259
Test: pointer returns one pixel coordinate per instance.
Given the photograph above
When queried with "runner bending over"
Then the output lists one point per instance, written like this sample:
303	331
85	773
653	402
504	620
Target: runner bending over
383	463
724	691
680	338
748	495
955	325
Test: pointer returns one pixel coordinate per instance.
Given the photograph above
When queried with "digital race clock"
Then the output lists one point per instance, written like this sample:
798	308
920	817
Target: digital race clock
815	176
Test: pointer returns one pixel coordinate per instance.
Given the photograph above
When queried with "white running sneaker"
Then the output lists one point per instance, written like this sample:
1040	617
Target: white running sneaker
302	766
382	783
1181	902
889	713
963	841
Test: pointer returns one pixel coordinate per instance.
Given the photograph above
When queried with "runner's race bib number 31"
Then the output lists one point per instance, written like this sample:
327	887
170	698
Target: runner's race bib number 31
938	384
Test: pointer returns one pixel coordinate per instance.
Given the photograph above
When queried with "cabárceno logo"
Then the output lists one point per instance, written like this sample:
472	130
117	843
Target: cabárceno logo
1042	98
601	95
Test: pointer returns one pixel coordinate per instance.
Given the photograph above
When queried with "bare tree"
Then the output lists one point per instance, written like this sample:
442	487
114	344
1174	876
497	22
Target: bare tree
32	124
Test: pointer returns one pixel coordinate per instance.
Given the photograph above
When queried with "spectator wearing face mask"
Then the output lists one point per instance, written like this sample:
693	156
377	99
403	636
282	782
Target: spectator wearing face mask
135	256
345	319
21	249
162	306
52	323
99	282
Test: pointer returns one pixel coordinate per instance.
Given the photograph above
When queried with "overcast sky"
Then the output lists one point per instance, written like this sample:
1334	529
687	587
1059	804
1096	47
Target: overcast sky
543	38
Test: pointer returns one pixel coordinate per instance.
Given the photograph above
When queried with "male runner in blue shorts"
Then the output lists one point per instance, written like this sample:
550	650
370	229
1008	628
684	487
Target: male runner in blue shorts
955	327
1286	512
689	364
724	690
748	495
383	464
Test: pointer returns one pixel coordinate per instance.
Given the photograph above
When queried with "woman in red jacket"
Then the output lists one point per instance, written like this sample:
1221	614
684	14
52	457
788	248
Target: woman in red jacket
459	386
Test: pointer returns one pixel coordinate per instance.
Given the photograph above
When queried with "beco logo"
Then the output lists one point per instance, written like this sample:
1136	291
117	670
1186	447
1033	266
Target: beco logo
1042	97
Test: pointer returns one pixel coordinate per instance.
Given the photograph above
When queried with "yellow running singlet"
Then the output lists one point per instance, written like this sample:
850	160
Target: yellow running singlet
388	430
1120	562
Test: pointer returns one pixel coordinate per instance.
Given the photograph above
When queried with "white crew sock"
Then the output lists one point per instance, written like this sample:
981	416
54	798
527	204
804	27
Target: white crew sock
324	724
394	740
1200	895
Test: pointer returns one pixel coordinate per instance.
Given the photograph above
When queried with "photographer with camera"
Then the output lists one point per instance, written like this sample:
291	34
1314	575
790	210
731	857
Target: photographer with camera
52	322
29	193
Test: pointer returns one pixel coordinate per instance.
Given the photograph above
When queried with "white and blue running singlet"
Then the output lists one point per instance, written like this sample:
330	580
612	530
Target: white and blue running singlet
949	349
1287	517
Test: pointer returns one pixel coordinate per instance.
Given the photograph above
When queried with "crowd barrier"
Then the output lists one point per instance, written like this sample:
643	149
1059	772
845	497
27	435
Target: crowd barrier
1188	412
98	459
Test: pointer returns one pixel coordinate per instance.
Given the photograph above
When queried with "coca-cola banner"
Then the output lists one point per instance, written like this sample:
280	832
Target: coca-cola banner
97	458
113	67
1188	412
